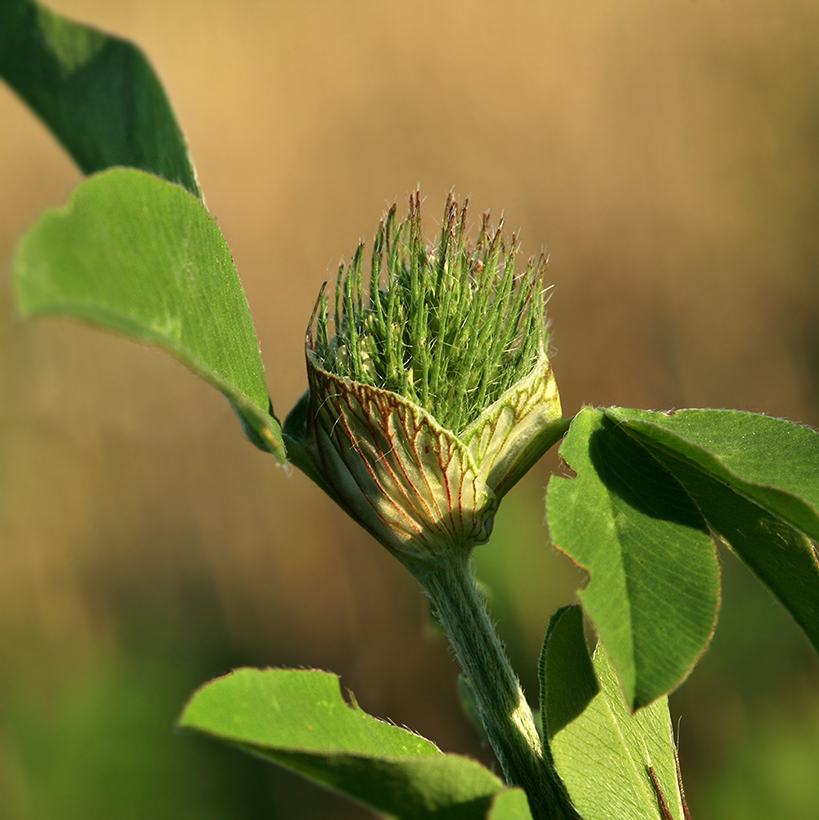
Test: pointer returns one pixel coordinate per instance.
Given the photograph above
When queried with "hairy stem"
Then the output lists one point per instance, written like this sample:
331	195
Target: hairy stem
506	716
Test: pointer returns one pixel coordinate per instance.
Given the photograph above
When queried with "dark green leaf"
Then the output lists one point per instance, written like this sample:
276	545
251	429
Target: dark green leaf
98	94
298	719
601	751
773	461
653	592
143	257
756	481
567	679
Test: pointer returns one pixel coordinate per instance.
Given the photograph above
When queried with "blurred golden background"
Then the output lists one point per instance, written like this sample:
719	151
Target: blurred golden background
665	154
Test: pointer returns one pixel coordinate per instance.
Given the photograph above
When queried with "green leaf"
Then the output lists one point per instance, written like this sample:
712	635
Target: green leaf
653	592
601	751
510	804
773	461
755	480
143	257
98	94
298	719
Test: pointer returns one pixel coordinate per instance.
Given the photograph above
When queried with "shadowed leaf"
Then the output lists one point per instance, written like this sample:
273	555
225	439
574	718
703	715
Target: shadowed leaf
298	719
97	93
653	592
755	479
602	751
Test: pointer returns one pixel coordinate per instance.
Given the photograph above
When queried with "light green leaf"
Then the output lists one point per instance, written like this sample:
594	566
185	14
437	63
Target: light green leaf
298	719
143	257
653	592
600	750
510	804
755	480
97	94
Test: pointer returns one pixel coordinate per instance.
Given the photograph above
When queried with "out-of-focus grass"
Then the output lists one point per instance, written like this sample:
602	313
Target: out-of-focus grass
667	155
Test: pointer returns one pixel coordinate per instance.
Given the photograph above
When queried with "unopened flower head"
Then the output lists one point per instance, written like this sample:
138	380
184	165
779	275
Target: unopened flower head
451	329
430	386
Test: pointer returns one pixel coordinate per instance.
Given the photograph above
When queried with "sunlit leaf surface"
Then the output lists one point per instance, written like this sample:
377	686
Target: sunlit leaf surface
299	719
143	257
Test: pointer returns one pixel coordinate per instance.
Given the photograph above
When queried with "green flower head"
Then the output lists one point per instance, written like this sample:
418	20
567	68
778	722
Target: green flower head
430	389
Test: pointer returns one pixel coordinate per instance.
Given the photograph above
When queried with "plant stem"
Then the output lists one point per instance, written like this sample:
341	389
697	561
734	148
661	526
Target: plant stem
507	718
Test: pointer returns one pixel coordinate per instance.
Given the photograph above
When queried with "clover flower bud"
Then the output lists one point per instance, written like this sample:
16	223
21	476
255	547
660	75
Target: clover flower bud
430	389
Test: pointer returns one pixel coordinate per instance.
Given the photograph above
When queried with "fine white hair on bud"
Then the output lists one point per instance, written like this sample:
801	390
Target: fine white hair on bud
431	391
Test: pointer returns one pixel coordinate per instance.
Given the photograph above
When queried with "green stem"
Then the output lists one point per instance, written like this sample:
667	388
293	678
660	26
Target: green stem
507	718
